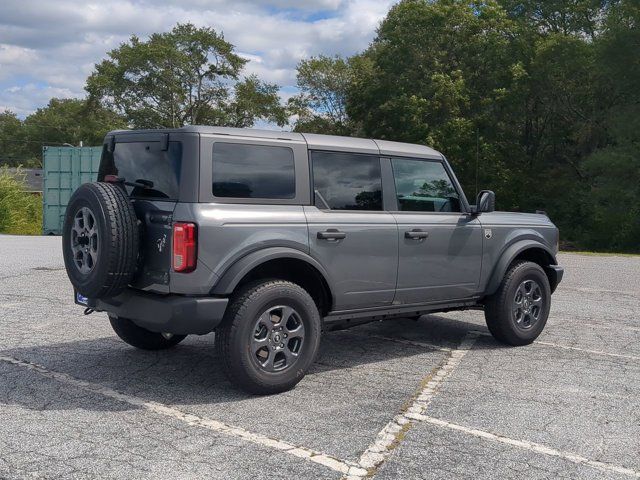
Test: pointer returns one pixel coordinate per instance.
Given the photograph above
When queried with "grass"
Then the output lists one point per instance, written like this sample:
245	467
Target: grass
20	212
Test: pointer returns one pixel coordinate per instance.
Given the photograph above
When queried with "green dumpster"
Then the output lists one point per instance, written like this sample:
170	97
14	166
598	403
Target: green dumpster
64	170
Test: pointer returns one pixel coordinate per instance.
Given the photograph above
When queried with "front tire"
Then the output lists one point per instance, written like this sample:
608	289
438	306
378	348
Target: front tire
517	313
269	336
141	337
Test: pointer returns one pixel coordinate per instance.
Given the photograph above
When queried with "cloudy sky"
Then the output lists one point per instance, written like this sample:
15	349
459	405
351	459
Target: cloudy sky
49	47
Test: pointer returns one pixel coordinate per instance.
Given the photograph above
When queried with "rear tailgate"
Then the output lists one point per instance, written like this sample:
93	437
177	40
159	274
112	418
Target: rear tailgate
149	168
155	244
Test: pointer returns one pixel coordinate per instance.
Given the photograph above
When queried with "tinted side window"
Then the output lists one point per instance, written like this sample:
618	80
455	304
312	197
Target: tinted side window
253	171
146	162
424	186
347	181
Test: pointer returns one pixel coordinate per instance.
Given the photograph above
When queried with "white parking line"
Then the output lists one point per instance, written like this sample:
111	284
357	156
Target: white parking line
341	466
569	347
531	446
390	435
585	350
434	346
609	327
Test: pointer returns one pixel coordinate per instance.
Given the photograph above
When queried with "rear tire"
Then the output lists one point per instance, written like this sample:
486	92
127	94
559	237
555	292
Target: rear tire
100	240
517	313
269	336
141	337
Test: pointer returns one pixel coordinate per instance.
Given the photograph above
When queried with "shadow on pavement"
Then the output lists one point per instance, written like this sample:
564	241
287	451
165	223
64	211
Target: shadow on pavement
189	374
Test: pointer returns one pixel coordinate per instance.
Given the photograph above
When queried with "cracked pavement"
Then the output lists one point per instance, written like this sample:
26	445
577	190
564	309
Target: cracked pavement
576	392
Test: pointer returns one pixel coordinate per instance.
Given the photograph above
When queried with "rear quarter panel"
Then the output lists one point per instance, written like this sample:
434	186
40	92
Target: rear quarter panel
228	232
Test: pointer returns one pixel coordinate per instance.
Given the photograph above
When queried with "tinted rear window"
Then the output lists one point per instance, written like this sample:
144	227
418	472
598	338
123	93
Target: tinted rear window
347	181
145	161
253	171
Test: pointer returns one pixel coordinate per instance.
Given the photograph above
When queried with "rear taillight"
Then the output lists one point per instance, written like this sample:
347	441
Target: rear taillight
184	247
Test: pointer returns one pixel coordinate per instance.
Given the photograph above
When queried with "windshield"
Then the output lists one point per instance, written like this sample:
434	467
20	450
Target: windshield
155	173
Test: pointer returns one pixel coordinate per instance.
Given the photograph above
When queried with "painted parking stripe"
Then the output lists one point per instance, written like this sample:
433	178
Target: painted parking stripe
341	466
585	350
608	327
577	349
377	453
531	446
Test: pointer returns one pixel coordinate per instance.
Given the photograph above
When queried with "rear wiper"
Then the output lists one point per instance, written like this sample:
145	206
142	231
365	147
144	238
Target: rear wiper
140	182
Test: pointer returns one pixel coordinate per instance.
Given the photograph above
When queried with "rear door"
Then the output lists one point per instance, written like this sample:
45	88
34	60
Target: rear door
440	244
154	163
349	232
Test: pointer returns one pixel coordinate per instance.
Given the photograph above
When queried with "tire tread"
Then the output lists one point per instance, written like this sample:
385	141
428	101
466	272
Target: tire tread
231	324
120	253
497	319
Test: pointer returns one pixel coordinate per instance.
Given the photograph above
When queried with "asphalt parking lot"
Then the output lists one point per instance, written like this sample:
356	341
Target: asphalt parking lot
434	398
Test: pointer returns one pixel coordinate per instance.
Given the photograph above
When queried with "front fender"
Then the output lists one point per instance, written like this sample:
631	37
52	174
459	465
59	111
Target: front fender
508	255
230	279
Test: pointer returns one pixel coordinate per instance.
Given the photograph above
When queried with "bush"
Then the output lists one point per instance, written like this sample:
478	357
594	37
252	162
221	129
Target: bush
20	212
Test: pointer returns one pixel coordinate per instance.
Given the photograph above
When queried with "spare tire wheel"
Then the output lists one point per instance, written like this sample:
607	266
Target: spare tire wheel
100	240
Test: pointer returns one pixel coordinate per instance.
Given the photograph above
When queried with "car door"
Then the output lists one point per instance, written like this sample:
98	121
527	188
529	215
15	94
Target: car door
350	234
440	244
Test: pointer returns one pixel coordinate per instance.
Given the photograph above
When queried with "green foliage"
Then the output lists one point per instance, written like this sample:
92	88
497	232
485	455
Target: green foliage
62	121
12	141
253	99
320	106
186	76
20	212
71	121
538	100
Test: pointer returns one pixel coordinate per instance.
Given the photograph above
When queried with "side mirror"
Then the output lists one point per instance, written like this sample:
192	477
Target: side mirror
485	202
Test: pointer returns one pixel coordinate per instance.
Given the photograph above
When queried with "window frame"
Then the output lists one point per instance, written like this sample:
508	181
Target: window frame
393	201
347	152
188	186
300	165
213	171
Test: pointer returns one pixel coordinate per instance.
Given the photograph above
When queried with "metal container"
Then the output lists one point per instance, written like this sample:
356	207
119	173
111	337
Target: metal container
65	169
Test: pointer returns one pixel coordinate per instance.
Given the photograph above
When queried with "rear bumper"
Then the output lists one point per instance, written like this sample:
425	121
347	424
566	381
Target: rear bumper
555	273
176	314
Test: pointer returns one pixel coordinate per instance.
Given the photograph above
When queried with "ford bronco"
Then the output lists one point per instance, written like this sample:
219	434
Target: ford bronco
269	238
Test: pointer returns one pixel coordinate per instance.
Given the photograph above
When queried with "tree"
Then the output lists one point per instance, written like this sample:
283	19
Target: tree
438	73
575	17
186	76
253	99
63	120
538	100
320	106
71	121
12	141
612	171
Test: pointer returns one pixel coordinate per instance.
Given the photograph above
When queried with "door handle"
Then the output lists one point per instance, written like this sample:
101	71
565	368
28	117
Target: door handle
416	234
331	234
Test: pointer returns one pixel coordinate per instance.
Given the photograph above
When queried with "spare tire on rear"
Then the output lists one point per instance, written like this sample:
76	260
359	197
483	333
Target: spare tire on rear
100	240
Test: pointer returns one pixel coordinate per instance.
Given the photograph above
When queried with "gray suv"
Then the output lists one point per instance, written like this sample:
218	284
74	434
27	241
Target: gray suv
269	238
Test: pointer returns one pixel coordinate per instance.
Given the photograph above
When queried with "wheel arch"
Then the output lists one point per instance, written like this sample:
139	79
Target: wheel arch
284	263
530	250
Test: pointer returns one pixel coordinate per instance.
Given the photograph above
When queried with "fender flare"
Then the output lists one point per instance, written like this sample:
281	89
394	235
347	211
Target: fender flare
508	255
230	279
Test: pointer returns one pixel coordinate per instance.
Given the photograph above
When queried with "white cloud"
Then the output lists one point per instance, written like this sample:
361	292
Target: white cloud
22	99
49	48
